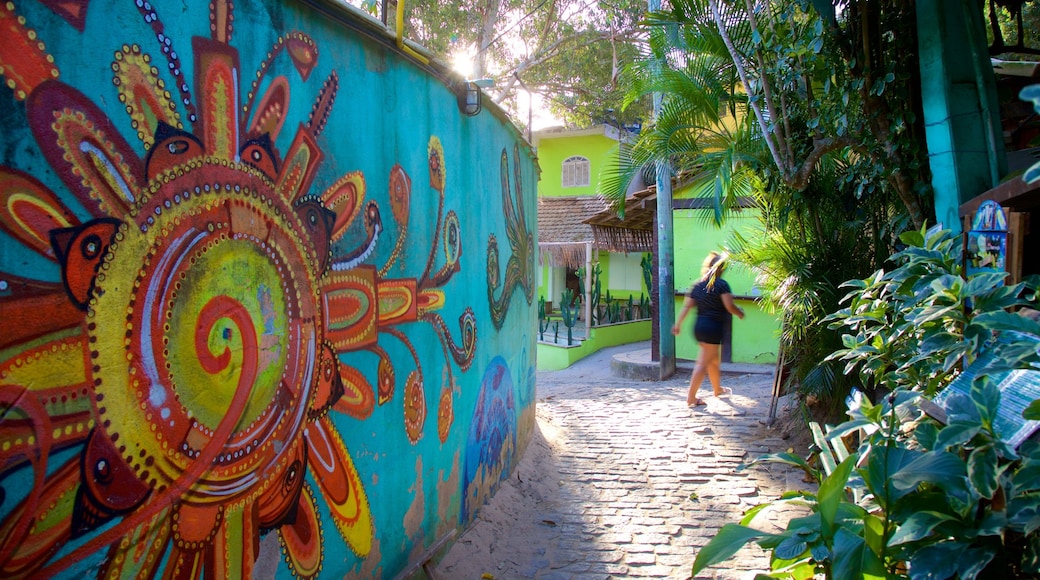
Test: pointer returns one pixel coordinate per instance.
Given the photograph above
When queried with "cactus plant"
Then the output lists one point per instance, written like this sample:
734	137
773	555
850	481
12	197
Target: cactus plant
543	318
569	309
648	266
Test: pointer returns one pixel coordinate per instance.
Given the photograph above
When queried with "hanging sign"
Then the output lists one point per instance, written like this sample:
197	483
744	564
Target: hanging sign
987	240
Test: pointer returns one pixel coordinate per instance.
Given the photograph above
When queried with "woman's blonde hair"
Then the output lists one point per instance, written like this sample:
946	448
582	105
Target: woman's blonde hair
713	267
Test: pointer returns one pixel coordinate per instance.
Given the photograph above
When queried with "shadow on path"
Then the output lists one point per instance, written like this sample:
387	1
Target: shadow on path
622	480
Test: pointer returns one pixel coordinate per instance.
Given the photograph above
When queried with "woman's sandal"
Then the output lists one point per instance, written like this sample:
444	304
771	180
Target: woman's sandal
696	403
726	391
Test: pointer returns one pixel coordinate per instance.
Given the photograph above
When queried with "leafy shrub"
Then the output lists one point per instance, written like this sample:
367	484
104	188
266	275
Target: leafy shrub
920	324
917	498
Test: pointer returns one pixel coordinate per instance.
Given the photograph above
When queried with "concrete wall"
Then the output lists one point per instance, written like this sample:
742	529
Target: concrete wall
265	294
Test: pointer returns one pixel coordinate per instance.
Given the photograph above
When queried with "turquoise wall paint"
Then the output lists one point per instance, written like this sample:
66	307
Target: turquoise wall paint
253	321
552	151
962	117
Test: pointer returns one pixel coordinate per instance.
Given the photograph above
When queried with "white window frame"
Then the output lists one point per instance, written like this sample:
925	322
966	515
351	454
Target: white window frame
576	170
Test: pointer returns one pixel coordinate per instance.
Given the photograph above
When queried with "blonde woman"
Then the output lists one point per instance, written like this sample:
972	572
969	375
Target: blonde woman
713	300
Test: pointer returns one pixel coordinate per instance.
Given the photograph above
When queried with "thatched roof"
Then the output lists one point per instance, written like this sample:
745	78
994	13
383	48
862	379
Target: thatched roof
634	233
562	235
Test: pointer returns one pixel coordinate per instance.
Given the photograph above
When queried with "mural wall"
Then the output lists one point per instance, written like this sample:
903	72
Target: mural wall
265	294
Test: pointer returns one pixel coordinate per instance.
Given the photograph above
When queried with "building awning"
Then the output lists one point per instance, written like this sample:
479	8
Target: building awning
562	232
634	233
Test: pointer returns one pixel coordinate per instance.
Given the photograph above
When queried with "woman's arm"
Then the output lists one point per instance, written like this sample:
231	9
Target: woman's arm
687	305
731	305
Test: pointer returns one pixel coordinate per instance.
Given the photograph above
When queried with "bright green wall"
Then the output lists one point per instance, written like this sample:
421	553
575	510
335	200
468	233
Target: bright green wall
554	358
755	337
552	152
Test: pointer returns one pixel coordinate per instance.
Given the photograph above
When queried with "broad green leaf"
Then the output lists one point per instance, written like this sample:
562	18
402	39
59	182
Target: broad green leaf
912	238
754	511
854	559
959	407
974	561
730	538
1025	479
832	494
982	470
791	548
1032	412
927	433
874	532
994	524
1024	513
786	458
1003	320
986	396
882	463
945	470
956	433
920	525
936	562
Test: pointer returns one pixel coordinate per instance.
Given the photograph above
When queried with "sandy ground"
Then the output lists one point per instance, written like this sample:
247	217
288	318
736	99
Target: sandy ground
517	535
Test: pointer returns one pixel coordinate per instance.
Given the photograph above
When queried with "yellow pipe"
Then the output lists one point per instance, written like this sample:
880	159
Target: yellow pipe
400	36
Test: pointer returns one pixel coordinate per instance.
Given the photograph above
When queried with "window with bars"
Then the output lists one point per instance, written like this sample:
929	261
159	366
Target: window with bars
575	172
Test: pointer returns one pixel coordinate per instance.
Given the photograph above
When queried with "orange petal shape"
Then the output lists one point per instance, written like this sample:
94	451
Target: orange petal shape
445	414
358	398
216	79
386	376
340	484
303	52
302	539
396	301
323	106
143	93
270	114
23	57
29	211
345	198
414	406
85	149
300	165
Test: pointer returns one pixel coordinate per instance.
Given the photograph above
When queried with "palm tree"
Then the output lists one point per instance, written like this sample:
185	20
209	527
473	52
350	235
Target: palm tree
836	225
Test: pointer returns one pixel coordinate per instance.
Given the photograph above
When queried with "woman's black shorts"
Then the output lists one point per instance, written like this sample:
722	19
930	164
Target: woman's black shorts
708	330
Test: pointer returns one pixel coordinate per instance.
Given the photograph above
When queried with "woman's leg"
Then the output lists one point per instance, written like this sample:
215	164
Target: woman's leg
708	352
715	372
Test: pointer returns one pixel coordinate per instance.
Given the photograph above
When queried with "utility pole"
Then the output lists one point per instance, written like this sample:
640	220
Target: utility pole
665	252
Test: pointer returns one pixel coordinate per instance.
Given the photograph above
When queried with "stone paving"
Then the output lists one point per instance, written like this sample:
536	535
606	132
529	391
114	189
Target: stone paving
637	482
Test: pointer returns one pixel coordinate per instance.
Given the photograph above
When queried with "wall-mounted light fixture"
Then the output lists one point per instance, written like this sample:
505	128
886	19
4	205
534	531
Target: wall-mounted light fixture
470	97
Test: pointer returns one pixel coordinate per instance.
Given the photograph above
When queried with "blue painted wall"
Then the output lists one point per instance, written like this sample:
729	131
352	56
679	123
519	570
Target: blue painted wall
266	294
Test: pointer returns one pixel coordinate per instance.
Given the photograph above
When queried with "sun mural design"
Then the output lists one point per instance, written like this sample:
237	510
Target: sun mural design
169	401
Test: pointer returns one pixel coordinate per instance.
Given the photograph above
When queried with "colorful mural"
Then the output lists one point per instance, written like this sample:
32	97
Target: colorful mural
492	435
520	266
186	382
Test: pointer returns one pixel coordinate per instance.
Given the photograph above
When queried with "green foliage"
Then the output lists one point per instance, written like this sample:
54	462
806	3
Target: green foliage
801	252
919	324
543	318
918	498
647	264
563	50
